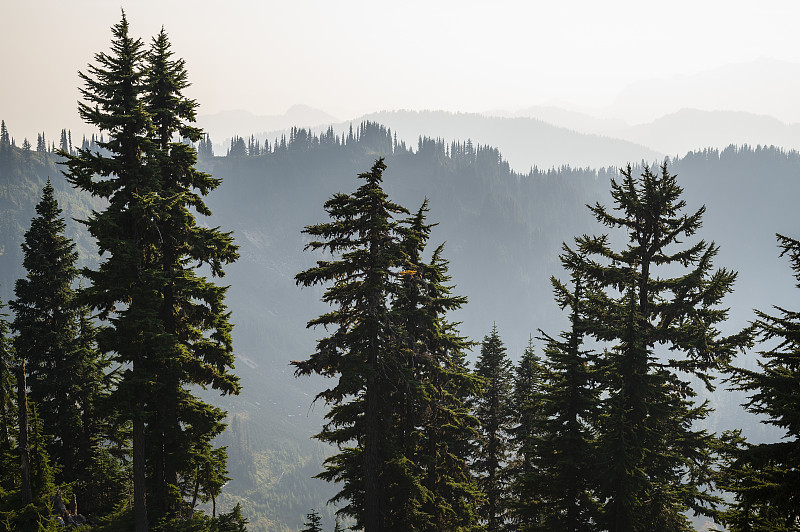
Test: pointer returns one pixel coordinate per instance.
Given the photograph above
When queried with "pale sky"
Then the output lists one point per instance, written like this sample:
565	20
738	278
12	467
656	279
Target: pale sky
350	58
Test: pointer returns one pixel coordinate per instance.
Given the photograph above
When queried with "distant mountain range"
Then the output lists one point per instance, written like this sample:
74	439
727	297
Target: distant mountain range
764	86
679	132
538	137
647	121
525	142
692	129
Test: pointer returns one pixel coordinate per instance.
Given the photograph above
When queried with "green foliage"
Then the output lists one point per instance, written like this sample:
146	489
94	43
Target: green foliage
64	373
655	462
9	461
167	325
312	522
494	412
534	212
396	414
556	491
232	521
30	518
525	485
764	477
43	472
198	348
338	526
432	422
361	352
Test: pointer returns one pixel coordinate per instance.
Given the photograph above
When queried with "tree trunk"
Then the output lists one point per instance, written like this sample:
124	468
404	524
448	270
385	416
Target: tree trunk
139	494
373	495
172	451
194	495
24	451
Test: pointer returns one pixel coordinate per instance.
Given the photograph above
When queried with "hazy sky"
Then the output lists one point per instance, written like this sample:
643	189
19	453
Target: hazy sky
349	58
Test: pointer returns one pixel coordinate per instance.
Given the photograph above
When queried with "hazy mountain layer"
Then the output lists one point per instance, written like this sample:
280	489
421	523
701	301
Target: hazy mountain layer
692	129
526	143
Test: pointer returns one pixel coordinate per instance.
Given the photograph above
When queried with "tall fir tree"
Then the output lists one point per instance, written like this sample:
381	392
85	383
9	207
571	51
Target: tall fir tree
494	412
64	143
195	348
63	379
167	326
764	477
205	148
362	350
571	399
525	508
654	462
119	288
432	418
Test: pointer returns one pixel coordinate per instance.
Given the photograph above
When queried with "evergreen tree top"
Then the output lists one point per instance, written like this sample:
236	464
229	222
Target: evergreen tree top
649	209
165	79
49	256
679	311
313	522
358	220
493	362
112	83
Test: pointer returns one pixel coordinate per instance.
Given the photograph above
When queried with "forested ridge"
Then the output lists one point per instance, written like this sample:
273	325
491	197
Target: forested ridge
583	411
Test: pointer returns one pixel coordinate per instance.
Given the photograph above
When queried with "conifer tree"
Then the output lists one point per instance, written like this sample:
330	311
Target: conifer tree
64	373
361	353
166	325
764	477
26	492
205	148
528	425
111	91
42	471
184	425
565	447
64	143
494	412
5	139
313	522
232	521
432	418
101	477
60	376
653	460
